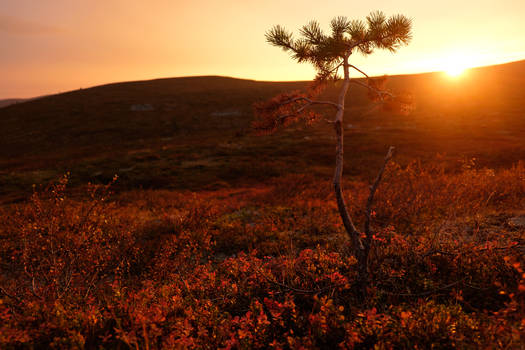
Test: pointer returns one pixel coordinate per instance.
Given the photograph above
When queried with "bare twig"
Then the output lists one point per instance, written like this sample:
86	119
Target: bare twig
373	190
430	292
326	74
91	285
359	70
297	290
309	103
516	246
33	289
7	294
380	93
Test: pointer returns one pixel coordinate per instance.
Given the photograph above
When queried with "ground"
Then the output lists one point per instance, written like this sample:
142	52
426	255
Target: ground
213	237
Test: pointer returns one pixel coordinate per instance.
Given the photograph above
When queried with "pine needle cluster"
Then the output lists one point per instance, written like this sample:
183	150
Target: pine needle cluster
327	51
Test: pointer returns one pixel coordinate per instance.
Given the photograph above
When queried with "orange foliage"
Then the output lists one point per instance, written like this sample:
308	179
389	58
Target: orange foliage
258	268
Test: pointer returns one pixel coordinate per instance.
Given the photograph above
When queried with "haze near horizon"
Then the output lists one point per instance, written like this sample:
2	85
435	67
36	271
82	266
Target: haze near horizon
60	45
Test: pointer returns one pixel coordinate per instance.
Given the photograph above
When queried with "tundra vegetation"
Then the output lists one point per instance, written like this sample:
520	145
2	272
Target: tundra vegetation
267	263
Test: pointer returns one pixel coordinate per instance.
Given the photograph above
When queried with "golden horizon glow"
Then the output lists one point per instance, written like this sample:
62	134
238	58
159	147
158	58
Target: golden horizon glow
455	65
455	72
61	45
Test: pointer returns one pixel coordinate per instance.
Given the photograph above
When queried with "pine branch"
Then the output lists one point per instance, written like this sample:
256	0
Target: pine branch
286	108
302	50
309	103
376	23
313	33
312	102
388	34
279	36
339	26
357	30
380	93
327	72
323	50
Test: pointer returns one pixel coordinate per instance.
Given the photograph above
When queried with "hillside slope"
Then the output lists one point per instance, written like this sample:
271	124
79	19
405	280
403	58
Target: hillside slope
239	243
10	101
195	131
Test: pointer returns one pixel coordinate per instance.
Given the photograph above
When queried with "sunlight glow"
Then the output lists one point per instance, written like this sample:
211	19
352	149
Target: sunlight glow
455	71
44	51
455	65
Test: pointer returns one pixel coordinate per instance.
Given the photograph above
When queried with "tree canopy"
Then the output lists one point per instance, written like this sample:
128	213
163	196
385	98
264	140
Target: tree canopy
327	51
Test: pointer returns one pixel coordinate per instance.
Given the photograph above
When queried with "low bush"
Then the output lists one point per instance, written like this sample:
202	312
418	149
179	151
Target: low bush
267	266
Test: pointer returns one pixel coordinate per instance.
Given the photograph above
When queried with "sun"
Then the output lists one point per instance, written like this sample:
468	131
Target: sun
455	71
455	65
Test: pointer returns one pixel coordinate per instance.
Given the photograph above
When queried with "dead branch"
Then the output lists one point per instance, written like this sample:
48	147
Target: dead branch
309	103
359	70
380	93
373	190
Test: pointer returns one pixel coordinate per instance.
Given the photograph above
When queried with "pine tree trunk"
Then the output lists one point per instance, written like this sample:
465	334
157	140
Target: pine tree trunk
360	252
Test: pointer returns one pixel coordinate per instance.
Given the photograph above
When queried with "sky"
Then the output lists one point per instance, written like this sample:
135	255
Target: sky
53	46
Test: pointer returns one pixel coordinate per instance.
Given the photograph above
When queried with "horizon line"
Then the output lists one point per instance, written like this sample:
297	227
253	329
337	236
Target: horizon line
23	99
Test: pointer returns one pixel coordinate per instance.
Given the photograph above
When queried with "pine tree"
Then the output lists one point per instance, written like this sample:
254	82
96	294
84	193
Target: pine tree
329	54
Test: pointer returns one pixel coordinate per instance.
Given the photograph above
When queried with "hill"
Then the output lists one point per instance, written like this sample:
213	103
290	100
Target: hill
195	131
10	101
215	238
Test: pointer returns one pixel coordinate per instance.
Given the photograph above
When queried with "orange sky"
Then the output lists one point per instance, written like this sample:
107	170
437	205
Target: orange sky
59	45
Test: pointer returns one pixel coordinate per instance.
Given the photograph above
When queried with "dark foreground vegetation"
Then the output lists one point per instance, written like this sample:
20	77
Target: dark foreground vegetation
212	238
268	266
